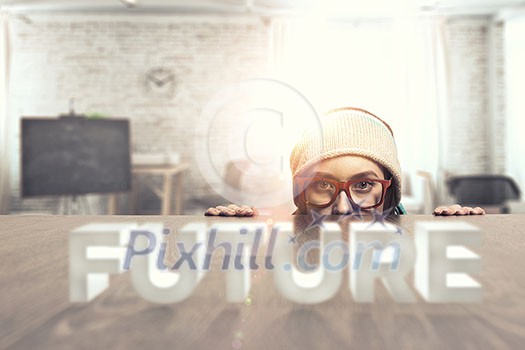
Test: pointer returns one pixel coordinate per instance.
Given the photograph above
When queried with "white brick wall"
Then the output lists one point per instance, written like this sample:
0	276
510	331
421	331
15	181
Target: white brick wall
102	62
475	134
498	118
467	39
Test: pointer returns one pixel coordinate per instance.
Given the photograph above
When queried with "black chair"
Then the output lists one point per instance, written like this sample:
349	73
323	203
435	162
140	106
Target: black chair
484	190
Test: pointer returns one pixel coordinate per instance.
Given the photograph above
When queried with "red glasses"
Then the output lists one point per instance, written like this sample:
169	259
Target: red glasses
365	193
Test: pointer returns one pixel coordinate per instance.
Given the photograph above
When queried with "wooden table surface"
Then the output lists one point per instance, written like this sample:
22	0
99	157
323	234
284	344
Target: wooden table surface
36	312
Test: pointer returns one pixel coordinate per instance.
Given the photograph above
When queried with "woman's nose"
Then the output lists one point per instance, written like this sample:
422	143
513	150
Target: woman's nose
342	204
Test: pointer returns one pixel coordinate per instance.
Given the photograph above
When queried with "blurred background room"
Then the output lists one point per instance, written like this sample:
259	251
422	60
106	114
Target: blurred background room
105	104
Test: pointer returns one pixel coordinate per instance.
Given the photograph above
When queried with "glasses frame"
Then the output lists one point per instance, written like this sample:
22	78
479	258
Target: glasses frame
341	186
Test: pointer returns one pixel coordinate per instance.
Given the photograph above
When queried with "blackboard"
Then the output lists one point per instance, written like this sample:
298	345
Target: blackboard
74	155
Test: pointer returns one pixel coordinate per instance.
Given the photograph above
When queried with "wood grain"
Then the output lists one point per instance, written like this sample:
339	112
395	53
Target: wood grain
36	312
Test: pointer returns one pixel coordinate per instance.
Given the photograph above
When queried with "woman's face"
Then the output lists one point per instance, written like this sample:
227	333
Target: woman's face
344	168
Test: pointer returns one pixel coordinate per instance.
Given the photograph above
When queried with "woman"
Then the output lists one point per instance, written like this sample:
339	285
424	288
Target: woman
351	165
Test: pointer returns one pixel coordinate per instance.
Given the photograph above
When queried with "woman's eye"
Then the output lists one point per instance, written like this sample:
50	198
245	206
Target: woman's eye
363	185
324	185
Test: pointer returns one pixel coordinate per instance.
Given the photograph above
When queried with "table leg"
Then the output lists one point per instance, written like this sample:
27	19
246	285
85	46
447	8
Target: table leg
134	195
166	196
112	204
179	191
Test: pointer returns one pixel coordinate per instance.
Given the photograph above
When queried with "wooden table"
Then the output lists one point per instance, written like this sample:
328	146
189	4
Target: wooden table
36	313
164	194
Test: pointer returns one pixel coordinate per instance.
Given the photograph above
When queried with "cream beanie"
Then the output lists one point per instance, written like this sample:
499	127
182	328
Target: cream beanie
349	131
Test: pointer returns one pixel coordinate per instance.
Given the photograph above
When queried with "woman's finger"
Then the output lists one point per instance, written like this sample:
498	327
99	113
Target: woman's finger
212	212
438	210
234	207
478	211
463	211
225	211
246	211
454	209
448	211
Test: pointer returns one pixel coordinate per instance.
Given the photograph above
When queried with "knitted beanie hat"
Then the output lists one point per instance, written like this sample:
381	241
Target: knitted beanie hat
349	131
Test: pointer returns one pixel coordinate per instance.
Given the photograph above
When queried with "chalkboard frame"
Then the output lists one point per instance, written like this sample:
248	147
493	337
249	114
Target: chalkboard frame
76	167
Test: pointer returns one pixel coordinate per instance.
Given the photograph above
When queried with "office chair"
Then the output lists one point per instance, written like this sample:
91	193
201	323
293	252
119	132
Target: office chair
484	190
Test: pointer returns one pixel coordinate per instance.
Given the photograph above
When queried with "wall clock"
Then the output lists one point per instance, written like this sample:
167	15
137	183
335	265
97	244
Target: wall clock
160	81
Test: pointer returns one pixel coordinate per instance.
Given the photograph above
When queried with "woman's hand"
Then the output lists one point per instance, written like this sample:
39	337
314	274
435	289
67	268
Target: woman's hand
457	209
231	210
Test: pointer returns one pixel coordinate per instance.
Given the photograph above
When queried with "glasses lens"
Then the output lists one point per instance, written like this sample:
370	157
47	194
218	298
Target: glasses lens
320	192
366	193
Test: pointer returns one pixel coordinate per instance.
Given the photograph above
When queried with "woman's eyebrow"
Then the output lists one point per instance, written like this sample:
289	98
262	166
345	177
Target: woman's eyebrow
363	174
368	173
325	175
